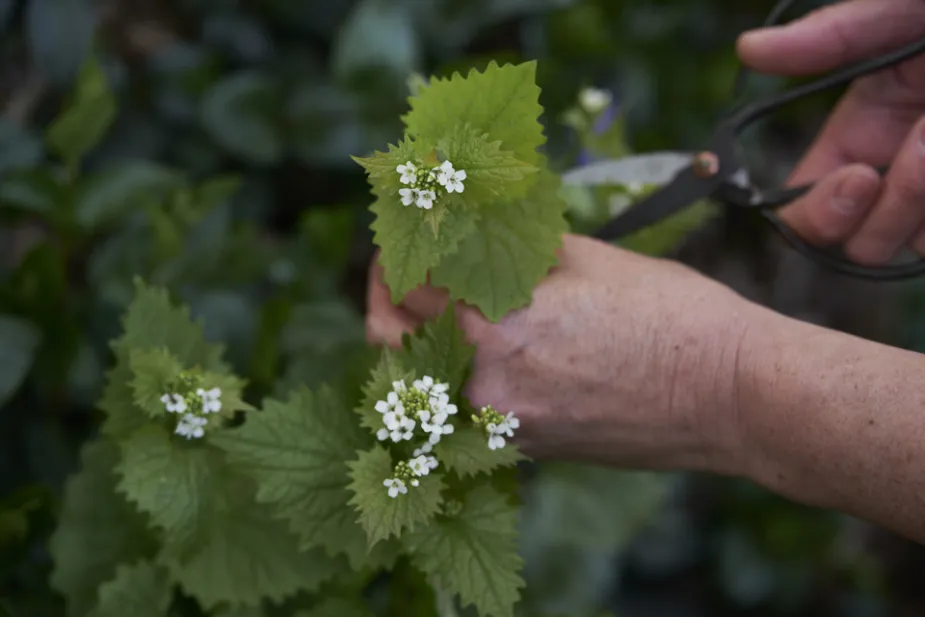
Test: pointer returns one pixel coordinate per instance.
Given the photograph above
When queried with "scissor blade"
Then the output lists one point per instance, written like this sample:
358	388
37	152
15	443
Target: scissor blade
657	168
685	189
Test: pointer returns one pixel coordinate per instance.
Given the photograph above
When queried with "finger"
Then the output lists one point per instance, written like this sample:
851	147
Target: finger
901	208
833	36
836	206
426	302
385	322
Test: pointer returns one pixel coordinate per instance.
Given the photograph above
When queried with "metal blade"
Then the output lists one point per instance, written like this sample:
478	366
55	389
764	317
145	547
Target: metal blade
656	168
685	189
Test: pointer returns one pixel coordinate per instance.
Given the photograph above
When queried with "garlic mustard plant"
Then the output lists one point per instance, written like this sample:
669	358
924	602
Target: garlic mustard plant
427	185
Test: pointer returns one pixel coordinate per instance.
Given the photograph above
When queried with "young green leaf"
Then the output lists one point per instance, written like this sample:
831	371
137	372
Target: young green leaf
492	173
502	101
219	544
97	530
383	516
410	247
297	451
440	350
170	481
467	453
153	372
391	367
84	122
473	553
514	247
140	590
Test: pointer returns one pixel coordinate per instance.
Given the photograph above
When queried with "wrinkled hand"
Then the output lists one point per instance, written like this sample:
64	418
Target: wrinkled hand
620	358
879	121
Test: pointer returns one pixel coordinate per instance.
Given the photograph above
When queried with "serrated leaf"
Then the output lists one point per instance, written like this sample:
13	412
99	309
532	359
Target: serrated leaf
337	607
97	530
153	322
512	250
21	340
466	452
168	479
440	350
492	174
88	116
473	553
391	367
153	371
382	516
410	247
140	590
502	101
246	555
297	451
116	192
242	113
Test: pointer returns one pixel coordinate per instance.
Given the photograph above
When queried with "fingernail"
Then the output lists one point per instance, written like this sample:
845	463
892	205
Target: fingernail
854	195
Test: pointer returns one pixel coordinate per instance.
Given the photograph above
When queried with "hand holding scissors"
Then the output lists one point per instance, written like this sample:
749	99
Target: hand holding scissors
873	125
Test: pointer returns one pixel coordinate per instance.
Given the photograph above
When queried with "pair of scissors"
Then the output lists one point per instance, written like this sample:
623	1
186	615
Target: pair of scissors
719	172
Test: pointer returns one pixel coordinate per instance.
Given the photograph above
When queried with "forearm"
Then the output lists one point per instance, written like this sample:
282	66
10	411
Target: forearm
837	422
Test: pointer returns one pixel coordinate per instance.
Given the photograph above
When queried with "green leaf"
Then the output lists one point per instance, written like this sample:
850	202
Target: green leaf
439	349
391	367
34	190
492	174
241	112
378	35
297	451
87	118
466	452
246	555
97	530
20	342
168	479
473	553
409	245
511	251
153	322
153	371
111	194
501	101
380	515
337	607
139	590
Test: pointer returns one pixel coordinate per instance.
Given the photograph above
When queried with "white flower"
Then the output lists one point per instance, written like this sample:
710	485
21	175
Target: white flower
391	403
427	385
408	196
174	403
426	199
594	100
399	386
191	426
404	430
211	402
427	448
395	486
495	442
382	434
415	482
408	173
454	181
422	464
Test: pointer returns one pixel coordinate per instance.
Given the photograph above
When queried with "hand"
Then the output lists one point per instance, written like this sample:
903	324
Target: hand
619	359
878	122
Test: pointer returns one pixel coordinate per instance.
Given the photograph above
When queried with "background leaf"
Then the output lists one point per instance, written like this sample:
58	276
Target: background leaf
19	341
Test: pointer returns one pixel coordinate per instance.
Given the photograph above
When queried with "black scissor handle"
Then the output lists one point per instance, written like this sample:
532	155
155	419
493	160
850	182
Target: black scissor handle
770	201
824	257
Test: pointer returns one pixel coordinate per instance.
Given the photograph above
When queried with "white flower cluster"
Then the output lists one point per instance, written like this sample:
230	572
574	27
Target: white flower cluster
408	473
425	402
424	184
192	409
496	426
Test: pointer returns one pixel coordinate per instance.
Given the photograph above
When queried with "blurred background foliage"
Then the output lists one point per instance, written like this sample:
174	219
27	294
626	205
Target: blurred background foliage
204	145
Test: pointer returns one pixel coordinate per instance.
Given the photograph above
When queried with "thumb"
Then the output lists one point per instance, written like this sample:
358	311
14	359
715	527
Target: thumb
836	206
427	302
